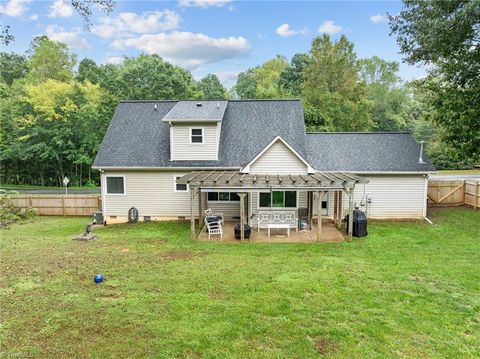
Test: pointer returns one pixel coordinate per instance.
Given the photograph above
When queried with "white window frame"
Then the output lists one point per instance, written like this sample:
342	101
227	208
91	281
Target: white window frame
277	208
175	185
203	135
116	194
218	201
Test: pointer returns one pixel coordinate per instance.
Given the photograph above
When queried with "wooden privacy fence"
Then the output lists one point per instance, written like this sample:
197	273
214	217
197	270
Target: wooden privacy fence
454	193
59	205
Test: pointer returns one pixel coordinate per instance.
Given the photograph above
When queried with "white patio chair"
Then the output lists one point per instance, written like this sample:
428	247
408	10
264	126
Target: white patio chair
209	214
214	228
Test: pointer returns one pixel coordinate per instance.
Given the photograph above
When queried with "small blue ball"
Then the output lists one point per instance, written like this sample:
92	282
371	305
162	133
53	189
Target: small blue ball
98	278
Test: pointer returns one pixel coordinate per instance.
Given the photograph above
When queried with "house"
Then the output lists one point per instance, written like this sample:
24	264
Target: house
245	158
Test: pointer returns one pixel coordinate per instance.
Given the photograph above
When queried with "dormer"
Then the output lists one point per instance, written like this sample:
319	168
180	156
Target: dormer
195	128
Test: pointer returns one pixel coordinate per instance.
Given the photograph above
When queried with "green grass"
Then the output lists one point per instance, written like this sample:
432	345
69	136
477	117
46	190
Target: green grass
407	290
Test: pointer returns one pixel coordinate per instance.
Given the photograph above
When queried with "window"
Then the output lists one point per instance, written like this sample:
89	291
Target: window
279	199
223	197
115	185
180	187
196	135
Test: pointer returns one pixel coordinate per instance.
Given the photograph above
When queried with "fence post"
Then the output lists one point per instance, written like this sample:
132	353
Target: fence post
464	189
63	205
476	194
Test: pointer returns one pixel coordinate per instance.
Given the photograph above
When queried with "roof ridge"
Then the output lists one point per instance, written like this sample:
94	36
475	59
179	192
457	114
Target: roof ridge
146	101
361	133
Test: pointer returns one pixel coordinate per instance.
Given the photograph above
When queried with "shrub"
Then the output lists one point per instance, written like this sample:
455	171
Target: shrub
8	212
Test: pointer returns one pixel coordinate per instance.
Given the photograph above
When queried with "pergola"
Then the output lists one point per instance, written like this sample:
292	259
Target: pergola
242	183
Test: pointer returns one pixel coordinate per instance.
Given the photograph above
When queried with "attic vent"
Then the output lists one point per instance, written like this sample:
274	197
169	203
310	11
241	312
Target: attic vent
199	104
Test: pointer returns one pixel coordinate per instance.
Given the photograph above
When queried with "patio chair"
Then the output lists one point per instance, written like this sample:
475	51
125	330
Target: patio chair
214	228
213	217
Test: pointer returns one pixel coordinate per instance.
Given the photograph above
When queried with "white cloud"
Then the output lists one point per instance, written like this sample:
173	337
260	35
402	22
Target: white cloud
33	17
72	39
115	60
227	76
378	18
187	49
127	23
14	8
203	3
284	30
59	8
329	27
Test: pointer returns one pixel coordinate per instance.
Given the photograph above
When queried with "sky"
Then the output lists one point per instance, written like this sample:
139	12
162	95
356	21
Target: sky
223	37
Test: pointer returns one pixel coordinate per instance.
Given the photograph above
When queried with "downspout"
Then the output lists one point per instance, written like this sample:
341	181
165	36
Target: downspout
425	200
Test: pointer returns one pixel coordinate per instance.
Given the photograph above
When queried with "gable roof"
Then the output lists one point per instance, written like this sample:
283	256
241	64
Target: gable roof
246	168
137	137
193	111
366	152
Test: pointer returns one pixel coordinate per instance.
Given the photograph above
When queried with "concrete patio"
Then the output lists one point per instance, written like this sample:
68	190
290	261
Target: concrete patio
330	234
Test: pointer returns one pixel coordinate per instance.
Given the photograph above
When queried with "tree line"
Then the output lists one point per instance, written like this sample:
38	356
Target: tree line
54	113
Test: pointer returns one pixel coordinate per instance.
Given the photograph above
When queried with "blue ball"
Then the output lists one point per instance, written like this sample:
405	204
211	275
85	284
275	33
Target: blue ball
98	278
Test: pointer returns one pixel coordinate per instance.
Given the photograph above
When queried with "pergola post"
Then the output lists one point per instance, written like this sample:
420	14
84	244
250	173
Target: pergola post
242	215
350	213
319	215
340	209
335	208
200	207
192	214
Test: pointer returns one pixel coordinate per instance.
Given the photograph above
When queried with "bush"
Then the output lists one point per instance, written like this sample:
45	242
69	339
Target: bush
8	212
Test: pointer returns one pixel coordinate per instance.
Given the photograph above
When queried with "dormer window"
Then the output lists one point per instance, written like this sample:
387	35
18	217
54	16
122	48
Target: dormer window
196	135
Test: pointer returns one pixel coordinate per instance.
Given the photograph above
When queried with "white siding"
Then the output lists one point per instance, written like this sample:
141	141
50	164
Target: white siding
229	209
151	192
278	159
182	149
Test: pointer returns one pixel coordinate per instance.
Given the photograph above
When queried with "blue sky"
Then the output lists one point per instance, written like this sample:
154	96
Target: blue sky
208	36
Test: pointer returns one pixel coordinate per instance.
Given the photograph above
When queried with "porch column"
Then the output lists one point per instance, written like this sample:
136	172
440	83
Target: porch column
192	214
242	215
350	213
335	208
319	215
340	209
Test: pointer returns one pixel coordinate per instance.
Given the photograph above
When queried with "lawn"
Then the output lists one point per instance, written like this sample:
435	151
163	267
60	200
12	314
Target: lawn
409	289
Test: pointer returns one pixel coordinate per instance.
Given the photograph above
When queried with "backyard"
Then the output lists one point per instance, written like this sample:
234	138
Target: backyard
409	289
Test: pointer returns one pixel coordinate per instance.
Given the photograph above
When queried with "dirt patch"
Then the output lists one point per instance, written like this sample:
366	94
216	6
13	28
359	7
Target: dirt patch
181	255
216	294
325	346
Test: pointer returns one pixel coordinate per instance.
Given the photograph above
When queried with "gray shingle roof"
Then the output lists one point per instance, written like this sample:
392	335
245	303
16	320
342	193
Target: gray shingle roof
189	111
138	137
366	152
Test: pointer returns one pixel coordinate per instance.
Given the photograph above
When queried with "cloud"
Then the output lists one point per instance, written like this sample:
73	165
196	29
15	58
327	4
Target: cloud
203	3
187	49
14	8
115	60
378	18
72	39
226	76
329	27
127	23
59	8
284	30
33	17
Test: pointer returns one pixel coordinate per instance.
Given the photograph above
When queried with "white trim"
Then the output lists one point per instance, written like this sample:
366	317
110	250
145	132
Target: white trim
171	142
153	168
271	198
246	169
425	197
190	133
386	172
115	194
103	189
175	184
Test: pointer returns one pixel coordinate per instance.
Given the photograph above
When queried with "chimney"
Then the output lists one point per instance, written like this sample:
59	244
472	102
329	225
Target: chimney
420	159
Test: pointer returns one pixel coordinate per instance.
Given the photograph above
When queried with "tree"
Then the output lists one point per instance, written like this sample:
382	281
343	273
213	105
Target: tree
12	67
389	100
446	36
331	85
291	79
267	78
88	71
50	60
149	77
246	86
212	88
